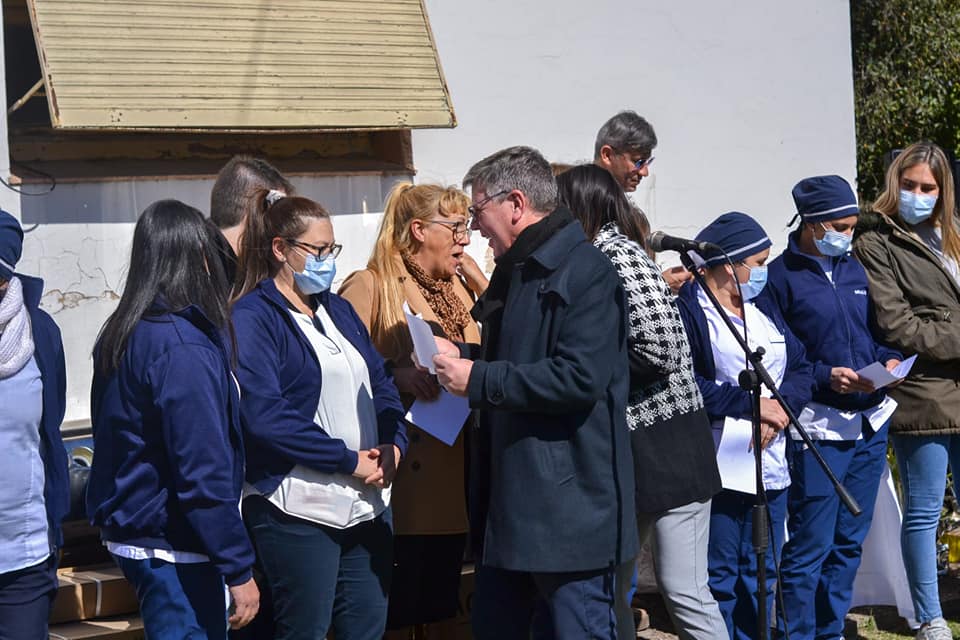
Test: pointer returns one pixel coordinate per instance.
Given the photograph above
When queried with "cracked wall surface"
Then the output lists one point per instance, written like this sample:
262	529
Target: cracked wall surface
83	266
82	252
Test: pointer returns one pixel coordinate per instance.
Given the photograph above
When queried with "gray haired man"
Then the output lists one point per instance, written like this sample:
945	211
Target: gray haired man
624	147
552	486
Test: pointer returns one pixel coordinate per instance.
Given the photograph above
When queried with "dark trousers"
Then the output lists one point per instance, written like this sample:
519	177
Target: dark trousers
323	578
732	563
568	606
178	600
25	599
821	558
426	579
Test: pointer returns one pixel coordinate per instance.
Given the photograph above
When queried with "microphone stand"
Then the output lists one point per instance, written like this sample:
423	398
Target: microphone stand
751	379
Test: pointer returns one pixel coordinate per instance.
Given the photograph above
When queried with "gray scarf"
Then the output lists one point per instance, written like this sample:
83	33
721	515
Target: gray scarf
16	338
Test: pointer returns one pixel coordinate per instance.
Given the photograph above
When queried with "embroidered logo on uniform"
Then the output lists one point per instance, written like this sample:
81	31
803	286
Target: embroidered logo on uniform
860	292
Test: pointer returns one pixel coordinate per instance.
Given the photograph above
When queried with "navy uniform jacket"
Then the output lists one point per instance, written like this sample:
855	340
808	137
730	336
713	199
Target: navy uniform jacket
554	488
831	319
281	380
168	467
50	361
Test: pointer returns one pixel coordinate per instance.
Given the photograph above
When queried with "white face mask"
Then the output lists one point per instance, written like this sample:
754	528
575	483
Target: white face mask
916	207
833	243
755	284
317	275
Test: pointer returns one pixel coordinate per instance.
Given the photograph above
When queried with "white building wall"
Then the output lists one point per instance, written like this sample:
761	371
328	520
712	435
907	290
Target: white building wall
746	96
9	199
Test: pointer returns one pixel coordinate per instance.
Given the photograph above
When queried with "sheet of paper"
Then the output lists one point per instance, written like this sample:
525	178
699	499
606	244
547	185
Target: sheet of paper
424	346
735	458
442	418
880	377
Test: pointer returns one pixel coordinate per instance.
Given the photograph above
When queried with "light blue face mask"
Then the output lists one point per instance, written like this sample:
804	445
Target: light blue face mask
916	207
317	275
833	243
758	280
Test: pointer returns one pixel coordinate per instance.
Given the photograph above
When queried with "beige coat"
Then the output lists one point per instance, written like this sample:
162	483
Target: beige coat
428	493
917	304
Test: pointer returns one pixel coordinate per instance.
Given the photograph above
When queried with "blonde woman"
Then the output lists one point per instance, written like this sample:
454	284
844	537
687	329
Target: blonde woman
910	248
419	260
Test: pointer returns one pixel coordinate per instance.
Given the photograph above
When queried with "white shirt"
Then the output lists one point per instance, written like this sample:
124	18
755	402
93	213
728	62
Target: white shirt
345	411
826	263
729	360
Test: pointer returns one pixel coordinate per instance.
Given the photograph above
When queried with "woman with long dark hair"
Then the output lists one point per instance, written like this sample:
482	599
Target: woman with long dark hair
167	472
910	247
674	464
323	426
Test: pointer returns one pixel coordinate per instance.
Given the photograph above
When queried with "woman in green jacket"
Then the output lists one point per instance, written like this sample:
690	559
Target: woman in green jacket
910	247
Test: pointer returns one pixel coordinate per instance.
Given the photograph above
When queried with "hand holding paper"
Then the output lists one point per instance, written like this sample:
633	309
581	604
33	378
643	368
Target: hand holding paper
880	377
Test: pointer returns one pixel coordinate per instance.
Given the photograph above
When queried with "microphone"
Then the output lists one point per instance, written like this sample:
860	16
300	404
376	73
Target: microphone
659	241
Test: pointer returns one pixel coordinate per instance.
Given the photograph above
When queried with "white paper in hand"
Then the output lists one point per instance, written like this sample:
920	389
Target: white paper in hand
878	375
442	418
424	346
735	457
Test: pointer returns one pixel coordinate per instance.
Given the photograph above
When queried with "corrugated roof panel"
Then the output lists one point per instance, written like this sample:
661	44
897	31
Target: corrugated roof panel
260	64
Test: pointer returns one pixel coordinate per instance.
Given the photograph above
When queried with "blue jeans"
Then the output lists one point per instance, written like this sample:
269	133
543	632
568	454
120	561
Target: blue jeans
821	558
567	606
25	599
323	578
178	600
732	562
923	464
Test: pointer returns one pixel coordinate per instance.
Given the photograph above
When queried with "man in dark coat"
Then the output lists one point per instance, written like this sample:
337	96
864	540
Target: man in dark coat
552	493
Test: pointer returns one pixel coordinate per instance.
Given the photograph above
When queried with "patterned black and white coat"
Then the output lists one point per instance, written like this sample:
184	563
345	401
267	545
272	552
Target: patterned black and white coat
661	367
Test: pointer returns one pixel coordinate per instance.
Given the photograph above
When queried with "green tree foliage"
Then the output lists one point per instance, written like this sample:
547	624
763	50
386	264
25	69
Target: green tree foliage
906	67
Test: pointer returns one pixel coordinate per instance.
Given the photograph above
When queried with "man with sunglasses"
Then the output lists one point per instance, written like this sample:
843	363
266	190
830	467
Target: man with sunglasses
552	484
624	147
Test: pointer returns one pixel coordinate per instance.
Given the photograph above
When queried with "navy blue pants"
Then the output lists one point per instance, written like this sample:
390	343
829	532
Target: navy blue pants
821	558
178	600
323	578
25	599
568	606
731	560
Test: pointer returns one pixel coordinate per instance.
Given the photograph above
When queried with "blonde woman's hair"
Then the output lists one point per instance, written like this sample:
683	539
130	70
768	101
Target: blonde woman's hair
944	212
405	203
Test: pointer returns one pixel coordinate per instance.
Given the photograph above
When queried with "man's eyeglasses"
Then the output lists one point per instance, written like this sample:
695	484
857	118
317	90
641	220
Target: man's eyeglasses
326	251
459	228
475	209
643	162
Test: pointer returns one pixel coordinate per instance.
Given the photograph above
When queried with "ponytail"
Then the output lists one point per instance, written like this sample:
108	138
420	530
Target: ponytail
274	216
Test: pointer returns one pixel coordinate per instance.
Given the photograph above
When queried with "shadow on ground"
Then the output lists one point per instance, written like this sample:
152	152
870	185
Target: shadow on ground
863	623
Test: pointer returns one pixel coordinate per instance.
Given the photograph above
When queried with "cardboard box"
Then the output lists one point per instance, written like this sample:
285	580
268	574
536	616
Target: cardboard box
116	628
92	592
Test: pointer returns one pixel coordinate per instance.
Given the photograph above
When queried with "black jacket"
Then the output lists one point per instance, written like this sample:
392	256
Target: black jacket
553	486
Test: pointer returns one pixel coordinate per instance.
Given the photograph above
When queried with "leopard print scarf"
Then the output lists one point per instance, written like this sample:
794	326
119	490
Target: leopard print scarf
442	299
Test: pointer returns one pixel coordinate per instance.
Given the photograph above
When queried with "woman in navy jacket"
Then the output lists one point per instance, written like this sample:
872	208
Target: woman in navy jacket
323	427
168	465
34	489
717	362
821	290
